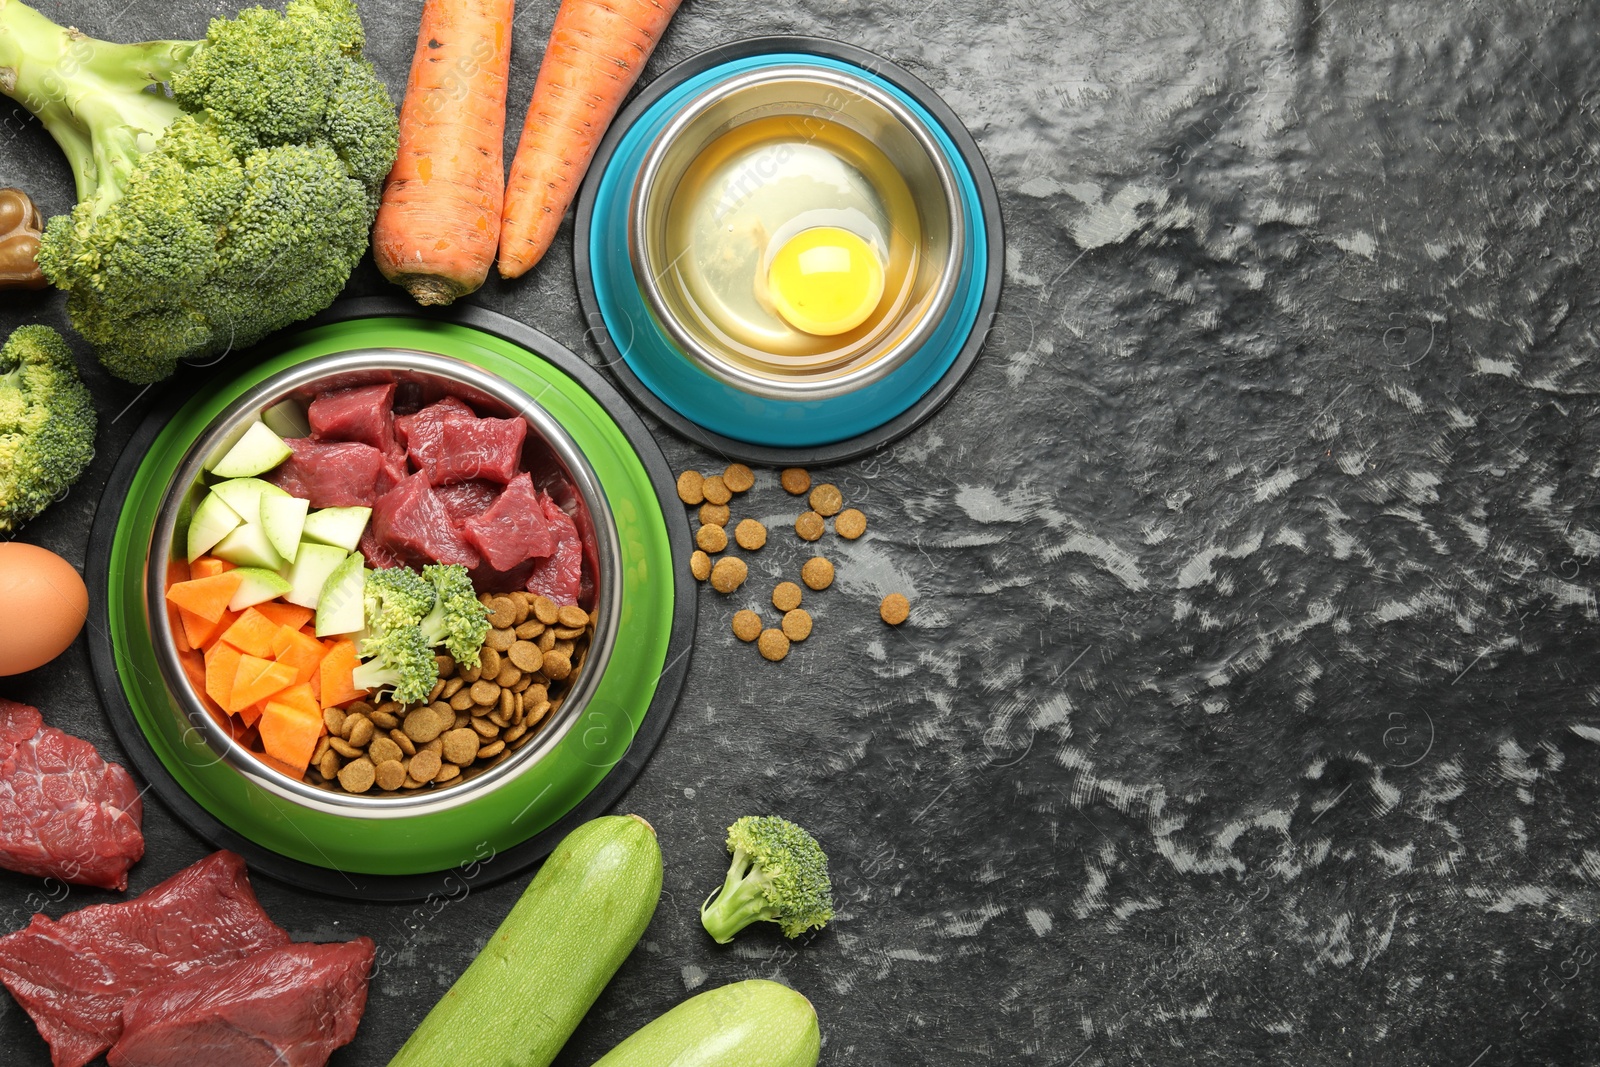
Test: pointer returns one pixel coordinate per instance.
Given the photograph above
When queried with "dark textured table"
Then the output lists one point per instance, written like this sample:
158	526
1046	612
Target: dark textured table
1249	709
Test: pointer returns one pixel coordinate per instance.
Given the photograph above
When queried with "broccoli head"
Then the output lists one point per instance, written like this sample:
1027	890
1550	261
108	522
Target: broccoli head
399	660
457	620
47	424
226	187
395	597
779	874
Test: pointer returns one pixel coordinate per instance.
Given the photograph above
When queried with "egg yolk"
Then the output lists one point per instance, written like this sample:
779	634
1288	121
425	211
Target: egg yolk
825	280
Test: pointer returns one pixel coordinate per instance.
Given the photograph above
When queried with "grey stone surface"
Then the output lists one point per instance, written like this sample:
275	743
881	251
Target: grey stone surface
1248	708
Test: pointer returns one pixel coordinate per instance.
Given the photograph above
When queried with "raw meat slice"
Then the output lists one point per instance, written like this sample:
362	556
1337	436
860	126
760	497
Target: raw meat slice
466	499
412	524
285	1007
559	576
364	415
453	450
485	579
64	812
513	529
375	552
424	421
330	474
73	975
393	471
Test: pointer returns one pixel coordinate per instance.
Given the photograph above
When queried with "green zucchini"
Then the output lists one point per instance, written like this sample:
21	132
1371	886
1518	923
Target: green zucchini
519	1001
747	1024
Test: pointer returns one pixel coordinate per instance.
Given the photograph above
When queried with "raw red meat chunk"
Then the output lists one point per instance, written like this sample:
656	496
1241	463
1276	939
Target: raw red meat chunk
450	446
73	975
560	575
377	554
364	415
412	524
513	529
330	474
285	1007
466	499
64	812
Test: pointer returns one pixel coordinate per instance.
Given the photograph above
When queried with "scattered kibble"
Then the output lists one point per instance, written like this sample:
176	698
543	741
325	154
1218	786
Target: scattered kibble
700	565
358	775
826	500
795	480
895	609
712	539
691	488
714	515
750	534
738	478
728	574
809	526
817	573
797	624
716	490
786	596
850	524
746	625
773	645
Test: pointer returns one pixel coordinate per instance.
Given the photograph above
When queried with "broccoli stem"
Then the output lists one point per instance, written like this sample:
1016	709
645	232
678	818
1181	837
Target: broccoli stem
104	103
741	901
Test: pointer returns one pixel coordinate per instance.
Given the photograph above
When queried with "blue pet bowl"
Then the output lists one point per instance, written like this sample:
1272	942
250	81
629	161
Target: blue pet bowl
715	409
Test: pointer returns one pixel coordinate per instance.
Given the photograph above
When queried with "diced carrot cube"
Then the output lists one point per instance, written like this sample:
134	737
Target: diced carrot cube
285	614
289	732
249	716
209	567
255	683
206	597
201	632
222	666
302	653
252	634
279	766
338	675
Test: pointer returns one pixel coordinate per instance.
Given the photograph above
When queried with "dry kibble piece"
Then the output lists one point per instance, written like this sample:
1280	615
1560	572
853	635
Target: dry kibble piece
399	737
571	615
546	610
567	633
361	732
809	526
447	664
322	747
357	776
850	524
424	765
509	676
508	705
524	603
499	641
382	750
485	729
502	612
817	573
746	625
435	746
529	630
895	609
461	701
461	746
797	624
700	565
390	774
333	719
716	490
451	688
329	765
714	514
384	720
536	694
738	478
773	645
826	499
512	735
526	655
750	534
691	488
712	539
547	640
557	665
786	596
485	693
446	772
489	662
537	712
795	480
492	749
343	747
424	724
728	575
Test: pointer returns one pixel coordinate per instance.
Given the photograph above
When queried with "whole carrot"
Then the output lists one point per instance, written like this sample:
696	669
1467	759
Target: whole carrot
440	219
597	49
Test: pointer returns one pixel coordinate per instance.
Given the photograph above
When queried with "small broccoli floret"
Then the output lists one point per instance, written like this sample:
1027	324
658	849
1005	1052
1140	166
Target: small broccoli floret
457	620
395	597
779	874
47	424
397	659
226	187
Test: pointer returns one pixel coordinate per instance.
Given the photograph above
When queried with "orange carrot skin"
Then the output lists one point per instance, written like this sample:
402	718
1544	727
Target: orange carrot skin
439	223
597	49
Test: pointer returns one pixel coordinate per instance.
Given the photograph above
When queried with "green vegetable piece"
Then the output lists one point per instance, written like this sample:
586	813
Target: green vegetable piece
47	423
339	609
313	565
284	517
244	495
248	546
528	989
458	621
257	452
257	587
337	526
755	1023
212	520
779	874
213	214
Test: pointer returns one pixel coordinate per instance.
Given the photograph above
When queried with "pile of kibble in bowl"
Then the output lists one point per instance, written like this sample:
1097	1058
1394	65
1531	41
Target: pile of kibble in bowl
726	573
473	718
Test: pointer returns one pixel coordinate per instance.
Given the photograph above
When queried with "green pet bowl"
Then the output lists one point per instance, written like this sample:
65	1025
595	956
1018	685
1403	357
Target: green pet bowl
502	820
